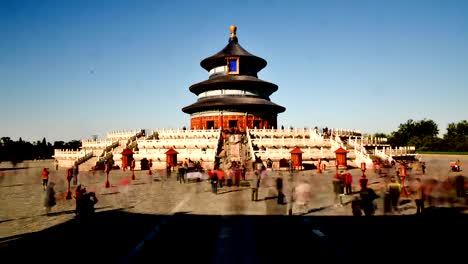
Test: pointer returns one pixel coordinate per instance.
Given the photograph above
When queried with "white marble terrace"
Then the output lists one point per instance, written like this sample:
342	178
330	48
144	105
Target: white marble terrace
121	135
202	144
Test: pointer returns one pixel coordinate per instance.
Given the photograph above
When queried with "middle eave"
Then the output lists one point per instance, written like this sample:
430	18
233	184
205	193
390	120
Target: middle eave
234	81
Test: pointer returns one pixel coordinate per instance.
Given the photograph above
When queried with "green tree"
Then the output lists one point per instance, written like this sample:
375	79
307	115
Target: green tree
414	133
456	138
382	135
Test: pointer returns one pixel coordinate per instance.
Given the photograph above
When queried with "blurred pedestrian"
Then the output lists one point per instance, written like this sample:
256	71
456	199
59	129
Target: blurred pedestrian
363	182
221	178
79	192
338	189
356	206
368	205
393	192
417	194
348	181
85	202
243	171
75	174
460	186
279	189
50	200
168	169
214	183
459	164
255	186
150	165
181	173
45	178
301	195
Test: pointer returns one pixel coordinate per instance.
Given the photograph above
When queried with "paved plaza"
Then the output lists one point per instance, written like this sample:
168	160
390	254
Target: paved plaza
153	207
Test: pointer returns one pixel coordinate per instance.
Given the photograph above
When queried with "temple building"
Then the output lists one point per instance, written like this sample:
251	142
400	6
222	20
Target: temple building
233	104
233	96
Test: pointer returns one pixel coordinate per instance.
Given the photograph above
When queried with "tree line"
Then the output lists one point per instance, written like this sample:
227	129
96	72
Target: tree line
18	151
423	134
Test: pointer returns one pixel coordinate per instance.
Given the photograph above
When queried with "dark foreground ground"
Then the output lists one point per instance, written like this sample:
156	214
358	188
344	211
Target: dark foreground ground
122	237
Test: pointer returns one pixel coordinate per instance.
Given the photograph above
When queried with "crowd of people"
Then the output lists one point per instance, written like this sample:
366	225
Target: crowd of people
363	199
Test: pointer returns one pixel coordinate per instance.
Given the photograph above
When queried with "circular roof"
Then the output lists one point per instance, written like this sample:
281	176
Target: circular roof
226	81
233	49
241	103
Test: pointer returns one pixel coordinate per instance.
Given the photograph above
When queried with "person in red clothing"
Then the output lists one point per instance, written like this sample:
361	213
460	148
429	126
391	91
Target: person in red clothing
85	201
45	178
348	179
338	188
221	178
79	193
363	182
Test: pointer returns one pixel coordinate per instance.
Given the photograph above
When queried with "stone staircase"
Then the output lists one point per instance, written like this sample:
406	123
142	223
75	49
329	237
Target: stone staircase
88	165
235	148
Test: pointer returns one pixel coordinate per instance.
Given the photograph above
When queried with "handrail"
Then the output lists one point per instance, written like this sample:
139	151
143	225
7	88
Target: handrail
85	158
249	142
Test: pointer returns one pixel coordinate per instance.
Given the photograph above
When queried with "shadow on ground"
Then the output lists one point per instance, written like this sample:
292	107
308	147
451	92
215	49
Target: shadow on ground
119	236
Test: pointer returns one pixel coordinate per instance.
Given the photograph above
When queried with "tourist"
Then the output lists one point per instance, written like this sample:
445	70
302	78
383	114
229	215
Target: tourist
243	171
348	181
237	176
79	192
423	167
168	169
458	163
255	186
460	186
417	193
180	173
368	205
150	165
377	167
323	166
356	206
338	188
221	178
108	168
393	192
75	174
279	189
214	183
301	196
269	163
363	182
45	178
49	200
85	201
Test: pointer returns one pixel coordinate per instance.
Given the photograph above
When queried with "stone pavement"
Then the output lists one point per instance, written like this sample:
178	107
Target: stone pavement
153	216
21	195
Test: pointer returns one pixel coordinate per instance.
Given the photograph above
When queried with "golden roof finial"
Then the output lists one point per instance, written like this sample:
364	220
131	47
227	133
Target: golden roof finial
233	29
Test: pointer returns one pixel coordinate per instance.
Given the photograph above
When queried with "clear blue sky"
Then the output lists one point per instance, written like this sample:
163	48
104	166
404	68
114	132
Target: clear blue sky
72	69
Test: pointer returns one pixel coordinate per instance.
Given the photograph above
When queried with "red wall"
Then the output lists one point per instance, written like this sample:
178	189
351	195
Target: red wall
223	121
